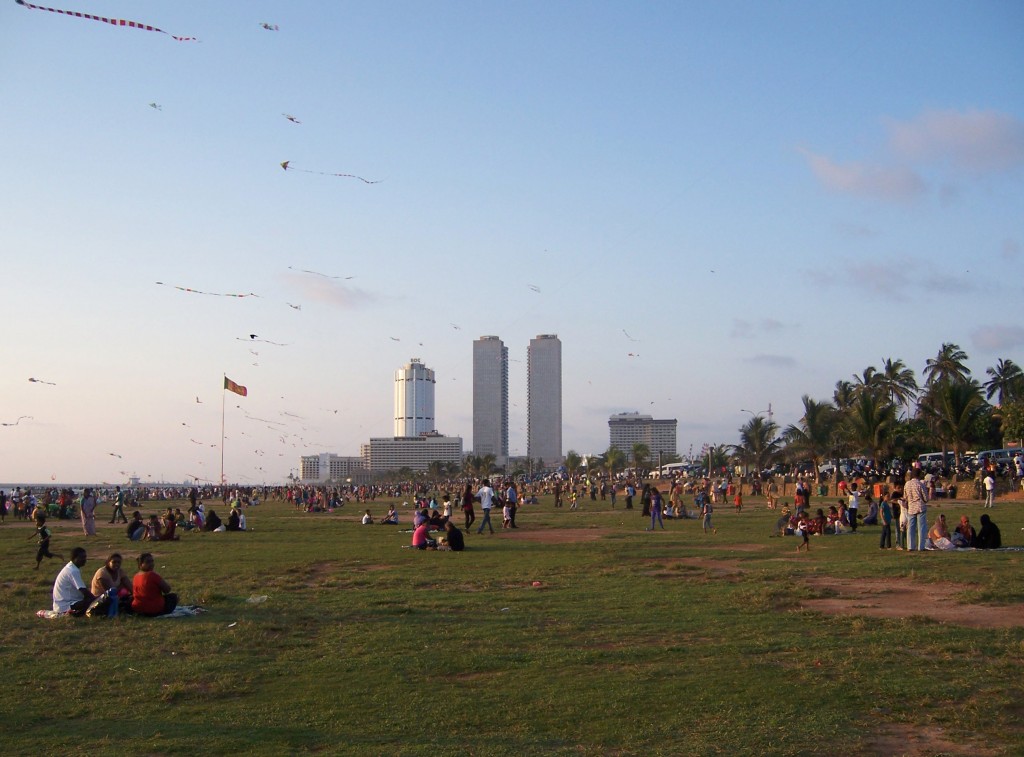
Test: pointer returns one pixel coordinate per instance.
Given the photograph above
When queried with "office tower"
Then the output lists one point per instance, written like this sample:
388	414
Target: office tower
414	399
490	398
627	429
544	399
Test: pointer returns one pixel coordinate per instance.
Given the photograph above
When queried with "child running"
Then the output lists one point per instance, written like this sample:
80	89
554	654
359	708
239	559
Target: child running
42	532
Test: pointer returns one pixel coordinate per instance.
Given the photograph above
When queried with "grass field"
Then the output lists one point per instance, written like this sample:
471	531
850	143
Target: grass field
634	643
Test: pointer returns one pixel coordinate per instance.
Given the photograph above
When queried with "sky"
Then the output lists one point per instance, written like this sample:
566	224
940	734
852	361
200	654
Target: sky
717	207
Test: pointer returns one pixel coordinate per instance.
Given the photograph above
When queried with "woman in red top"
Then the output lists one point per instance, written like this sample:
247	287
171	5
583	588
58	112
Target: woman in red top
151	595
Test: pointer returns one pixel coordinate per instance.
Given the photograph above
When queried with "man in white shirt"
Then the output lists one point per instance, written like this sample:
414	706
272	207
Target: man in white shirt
990	489
486	497
70	593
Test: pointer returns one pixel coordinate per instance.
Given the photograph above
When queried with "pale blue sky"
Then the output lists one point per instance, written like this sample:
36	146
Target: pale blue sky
853	173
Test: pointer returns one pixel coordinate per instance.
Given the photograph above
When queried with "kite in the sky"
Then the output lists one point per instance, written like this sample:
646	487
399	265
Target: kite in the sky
114	454
535	288
189	290
294	307
291	118
394	339
156	106
629	337
286	165
269	27
111	21
255	338
199	401
456	326
20	419
317	273
631	354
40	381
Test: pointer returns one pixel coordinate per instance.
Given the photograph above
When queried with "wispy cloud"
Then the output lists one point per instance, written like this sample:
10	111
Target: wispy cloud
894	276
998	337
974	142
772	361
961	144
866	180
328	291
742	329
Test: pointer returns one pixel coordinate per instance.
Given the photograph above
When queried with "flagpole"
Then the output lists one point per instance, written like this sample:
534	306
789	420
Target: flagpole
223	391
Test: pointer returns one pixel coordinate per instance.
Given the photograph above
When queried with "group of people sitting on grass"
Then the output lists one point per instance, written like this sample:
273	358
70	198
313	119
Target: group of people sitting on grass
843	518
111	591
164	526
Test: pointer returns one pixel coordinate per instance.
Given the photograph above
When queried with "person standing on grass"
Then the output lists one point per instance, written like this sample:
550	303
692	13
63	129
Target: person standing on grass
486	495
885	518
656	508
89	512
990	489
705	511
916	503
851	508
512	503
630	493
467	505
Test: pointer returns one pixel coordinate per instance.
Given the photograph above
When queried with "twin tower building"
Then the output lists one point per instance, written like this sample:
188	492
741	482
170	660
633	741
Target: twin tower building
414	399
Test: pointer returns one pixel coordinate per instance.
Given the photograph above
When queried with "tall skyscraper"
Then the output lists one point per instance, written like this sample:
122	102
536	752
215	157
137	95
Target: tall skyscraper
544	399
490	398
414	399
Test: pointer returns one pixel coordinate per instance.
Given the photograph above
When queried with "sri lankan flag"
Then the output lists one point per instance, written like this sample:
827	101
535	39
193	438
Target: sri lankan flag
231	386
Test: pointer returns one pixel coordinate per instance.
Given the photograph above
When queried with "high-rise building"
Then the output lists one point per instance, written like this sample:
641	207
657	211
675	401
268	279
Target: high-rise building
544	399
490	398
627	429
414	399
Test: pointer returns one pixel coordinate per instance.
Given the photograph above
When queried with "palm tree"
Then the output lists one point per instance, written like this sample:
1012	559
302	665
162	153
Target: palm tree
956	409
814	438
641	452
436	470
486	464
614	461
870	380
1007	382
869	425
843	395
948	365
899	382
759	443
573	461
717	457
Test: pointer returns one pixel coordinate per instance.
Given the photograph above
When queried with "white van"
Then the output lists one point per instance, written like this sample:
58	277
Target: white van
935	458
998	456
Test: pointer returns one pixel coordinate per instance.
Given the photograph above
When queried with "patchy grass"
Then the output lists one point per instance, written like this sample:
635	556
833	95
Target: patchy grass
633	643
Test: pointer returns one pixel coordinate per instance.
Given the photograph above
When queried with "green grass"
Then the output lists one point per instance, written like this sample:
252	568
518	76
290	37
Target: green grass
636	643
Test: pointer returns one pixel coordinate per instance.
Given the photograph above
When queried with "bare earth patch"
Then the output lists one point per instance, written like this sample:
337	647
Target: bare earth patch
893	598
917	741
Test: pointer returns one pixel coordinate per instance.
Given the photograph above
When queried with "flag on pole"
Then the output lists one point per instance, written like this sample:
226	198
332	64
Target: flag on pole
231	386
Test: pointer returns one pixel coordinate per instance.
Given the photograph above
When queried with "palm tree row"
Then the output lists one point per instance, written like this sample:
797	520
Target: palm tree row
886	413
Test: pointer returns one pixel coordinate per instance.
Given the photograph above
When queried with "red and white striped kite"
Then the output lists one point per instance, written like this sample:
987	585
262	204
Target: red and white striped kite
111	21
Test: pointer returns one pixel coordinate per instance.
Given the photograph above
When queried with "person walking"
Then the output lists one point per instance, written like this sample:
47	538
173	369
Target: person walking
705	510
118	506
486	495
512	503
916	504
